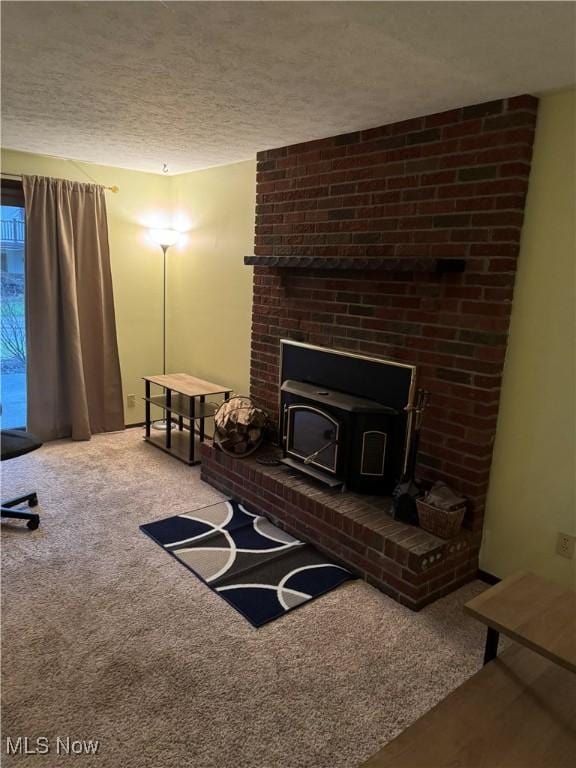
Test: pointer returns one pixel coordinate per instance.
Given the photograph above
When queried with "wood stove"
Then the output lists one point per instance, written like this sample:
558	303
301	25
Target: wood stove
340	439
345	419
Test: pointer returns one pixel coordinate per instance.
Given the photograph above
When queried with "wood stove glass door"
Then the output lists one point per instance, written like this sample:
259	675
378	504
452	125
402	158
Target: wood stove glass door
312	436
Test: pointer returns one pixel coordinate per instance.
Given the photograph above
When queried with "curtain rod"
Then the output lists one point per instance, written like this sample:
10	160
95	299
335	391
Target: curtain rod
113	188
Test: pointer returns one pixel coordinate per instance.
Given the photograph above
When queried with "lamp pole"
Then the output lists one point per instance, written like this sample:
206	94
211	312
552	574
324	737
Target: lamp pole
164	238
164	249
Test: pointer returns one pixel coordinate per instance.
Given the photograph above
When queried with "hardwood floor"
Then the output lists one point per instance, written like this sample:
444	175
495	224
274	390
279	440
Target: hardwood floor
519	711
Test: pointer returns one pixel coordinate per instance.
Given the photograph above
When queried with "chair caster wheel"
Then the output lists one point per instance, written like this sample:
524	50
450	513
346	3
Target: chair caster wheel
33	501
33	524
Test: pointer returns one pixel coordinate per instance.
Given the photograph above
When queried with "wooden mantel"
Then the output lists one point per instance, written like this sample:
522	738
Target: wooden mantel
389	264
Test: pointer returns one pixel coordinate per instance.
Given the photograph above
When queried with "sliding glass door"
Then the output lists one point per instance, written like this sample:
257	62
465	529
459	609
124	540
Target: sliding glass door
13	308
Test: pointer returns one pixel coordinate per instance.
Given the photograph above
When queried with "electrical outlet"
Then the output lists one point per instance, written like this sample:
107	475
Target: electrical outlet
565	545
131	401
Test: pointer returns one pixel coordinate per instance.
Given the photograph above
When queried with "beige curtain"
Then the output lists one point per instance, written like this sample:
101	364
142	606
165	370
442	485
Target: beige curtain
74	387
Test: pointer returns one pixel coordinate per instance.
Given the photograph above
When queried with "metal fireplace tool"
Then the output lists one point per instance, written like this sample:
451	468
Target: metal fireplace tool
408	490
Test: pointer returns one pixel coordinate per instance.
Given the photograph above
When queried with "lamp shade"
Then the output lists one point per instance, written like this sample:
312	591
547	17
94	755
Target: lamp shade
164	237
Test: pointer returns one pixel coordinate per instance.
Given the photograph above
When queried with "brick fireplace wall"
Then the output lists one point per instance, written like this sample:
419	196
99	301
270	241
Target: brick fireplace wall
450	185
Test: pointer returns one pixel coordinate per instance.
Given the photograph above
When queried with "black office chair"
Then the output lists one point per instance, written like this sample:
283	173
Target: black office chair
14	443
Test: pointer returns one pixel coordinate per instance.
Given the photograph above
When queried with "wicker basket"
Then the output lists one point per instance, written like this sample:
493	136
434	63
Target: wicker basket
441	522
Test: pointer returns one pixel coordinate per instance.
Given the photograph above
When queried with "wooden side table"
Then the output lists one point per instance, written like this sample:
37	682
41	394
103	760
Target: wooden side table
519	710
532	611
185	397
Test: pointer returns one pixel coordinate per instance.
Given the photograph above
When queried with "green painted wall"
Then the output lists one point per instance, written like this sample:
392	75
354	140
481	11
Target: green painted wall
532	484
210	288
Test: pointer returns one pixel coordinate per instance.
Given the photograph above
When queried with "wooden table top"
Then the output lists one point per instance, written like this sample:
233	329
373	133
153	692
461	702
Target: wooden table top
532	611
187	385
519	711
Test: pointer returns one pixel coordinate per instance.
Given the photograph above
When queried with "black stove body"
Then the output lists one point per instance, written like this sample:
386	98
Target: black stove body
354	432
341	439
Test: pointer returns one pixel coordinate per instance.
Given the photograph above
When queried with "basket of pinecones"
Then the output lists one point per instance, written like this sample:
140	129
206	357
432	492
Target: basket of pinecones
240	426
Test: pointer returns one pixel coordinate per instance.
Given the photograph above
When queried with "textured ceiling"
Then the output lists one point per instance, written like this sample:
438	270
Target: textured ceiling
136	84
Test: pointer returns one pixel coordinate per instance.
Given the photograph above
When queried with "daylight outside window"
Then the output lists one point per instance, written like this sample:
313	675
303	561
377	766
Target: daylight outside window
13	318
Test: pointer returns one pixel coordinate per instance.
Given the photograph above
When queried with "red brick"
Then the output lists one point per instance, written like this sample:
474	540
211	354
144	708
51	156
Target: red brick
523	102
443	118
462	129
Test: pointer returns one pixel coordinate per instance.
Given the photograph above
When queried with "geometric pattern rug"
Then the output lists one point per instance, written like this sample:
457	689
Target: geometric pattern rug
259	569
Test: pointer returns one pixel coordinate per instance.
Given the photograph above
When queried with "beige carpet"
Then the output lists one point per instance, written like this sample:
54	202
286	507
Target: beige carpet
107	637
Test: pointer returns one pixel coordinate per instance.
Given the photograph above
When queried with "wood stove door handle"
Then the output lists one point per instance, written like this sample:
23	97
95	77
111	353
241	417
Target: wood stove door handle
308	459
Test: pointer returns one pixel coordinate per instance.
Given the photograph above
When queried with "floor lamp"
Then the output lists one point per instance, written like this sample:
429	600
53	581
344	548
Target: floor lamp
164	238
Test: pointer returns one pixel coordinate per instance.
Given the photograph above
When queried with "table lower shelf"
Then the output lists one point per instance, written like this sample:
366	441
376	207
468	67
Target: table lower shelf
180	405
180	445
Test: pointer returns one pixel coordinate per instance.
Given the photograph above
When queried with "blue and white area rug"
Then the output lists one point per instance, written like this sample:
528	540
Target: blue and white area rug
255	566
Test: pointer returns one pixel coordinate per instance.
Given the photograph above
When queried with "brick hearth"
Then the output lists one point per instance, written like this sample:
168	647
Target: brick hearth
403	561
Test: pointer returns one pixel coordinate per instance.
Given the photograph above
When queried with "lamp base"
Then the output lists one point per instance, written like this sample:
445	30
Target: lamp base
161	425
